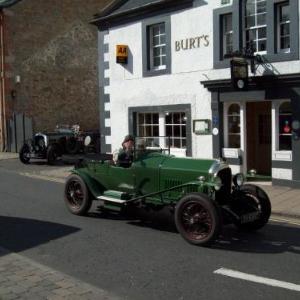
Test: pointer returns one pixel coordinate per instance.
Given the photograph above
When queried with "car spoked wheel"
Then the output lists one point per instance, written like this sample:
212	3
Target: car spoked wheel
24	154
77	196
197	219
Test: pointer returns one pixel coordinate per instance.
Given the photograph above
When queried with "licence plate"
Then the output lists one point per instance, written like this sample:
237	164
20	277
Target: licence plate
250	217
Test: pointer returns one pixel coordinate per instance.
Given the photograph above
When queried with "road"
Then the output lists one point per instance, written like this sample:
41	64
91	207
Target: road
144	260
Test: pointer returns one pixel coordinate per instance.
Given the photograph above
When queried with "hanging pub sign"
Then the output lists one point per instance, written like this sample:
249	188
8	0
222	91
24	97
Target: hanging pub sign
239	73
122	54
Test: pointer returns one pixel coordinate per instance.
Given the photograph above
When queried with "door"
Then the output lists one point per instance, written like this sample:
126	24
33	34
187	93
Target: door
259	134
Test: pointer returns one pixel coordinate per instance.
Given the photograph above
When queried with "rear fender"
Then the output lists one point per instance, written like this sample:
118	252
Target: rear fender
94	187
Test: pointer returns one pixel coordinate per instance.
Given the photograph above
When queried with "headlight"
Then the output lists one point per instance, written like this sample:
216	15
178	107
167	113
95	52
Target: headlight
238	179
217	183
201	178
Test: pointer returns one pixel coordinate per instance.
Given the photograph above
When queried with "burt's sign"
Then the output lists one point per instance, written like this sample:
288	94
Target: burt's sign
192	43
122	54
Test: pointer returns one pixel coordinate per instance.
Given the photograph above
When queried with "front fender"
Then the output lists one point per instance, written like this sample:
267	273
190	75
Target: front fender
250	188
93	185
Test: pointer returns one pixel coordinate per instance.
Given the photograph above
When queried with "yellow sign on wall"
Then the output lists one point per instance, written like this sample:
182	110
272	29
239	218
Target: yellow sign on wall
122	54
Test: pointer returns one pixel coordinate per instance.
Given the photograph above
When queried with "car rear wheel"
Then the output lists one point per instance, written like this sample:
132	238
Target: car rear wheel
52	154
24	154
76	196
197	219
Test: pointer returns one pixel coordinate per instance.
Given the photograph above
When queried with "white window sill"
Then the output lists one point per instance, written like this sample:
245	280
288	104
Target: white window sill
282	155
179	152
231	152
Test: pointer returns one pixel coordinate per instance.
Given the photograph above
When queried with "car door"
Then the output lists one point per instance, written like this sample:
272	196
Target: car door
121	179
147	173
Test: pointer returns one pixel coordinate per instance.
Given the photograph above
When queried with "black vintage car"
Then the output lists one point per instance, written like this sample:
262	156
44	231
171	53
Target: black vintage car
53	145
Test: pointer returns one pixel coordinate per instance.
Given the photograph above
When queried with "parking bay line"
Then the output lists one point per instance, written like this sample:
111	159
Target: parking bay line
258	279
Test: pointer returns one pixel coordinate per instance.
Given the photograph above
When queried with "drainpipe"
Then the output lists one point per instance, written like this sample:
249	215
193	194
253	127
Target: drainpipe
2	87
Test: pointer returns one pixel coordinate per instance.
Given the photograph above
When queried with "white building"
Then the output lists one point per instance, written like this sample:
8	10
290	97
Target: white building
177	82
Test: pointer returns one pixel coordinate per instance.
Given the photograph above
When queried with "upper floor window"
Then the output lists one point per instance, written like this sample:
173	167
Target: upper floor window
157	51
156	46
285	126
227	33
256	24
283	27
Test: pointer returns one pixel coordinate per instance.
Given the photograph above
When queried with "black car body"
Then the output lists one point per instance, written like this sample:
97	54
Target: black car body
53	145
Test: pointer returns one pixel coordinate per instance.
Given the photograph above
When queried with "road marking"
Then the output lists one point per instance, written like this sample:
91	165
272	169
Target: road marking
258	279
42	177
281	220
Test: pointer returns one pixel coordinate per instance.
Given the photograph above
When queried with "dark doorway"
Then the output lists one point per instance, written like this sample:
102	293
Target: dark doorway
259	135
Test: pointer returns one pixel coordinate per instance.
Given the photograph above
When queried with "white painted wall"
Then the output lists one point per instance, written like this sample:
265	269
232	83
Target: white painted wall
128	88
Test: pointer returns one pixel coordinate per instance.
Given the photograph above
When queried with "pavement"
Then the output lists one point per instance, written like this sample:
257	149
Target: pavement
22	278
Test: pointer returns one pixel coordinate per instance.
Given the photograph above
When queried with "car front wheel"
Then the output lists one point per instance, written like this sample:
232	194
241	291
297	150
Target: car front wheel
77	196
253	201
197	219
24	154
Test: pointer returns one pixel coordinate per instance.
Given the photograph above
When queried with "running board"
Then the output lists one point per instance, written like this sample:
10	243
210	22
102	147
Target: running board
111	199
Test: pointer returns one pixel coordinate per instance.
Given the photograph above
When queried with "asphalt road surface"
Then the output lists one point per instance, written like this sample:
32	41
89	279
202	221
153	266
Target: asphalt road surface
149	259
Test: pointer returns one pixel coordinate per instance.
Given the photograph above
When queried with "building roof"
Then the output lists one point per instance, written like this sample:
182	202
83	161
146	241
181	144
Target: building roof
124	9
7	3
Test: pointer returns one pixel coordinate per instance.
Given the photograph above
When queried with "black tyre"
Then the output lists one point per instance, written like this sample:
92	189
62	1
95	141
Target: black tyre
254	199
52	154
24	154
197	219
77	196
72	145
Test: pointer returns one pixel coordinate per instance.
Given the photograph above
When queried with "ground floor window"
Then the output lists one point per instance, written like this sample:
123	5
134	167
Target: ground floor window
285	126
233	126
175	128
148	124
169	124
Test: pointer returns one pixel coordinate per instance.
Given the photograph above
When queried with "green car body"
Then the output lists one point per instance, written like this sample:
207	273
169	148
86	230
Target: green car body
200	191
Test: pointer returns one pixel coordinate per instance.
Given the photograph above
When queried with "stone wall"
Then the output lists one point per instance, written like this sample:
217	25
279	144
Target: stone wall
53	49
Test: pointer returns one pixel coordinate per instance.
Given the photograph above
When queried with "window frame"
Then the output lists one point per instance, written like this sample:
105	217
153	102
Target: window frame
256	27
173	125
225	34
226	123
158	46
238	11
278	27
278	134
145	124
161	110
147	51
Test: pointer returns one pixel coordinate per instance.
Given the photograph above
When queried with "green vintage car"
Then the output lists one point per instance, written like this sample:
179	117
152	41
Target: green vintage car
202	194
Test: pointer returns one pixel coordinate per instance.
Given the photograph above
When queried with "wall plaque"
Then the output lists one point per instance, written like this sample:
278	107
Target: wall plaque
122	54
202	126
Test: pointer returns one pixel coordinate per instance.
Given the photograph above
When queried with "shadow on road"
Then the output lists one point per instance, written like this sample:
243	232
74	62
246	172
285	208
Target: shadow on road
273	238
161	220
18	234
